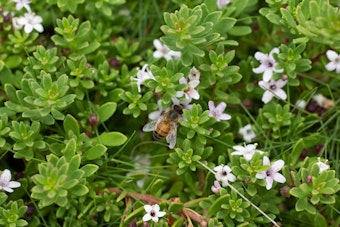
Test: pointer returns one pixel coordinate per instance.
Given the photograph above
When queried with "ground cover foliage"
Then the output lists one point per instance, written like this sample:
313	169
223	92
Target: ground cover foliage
246	94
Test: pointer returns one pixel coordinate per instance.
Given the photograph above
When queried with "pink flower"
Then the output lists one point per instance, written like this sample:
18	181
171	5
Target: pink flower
190	92
271	174
273	88
268	64
217	111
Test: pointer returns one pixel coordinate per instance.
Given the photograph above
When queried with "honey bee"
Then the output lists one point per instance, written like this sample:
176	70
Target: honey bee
166	125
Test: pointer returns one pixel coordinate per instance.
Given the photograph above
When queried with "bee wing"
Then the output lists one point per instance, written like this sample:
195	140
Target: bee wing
150	126
172	136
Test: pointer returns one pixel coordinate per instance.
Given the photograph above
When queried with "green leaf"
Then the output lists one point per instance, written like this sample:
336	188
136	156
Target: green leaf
175	207
112	138
288	17
106	111
240	30
89	169
79	190
71	124
95	152
216	206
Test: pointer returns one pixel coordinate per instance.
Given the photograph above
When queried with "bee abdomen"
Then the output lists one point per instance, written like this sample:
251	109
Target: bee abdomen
162	130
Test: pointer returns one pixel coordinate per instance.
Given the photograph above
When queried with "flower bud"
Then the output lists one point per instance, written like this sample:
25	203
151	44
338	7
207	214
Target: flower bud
309	179
93	120
284	191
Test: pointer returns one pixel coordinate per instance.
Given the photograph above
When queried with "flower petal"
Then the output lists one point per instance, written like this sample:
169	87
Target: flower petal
278	177
269	183
281	83
261	175
277	165
266	161
14	184
281	94
147	217
267	75
267	96
264	85
221	107
330	66
260	56
260	69
331	55
147	208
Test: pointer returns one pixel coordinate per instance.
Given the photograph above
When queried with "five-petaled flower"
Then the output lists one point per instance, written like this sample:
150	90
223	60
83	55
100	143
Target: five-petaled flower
247	151
153	213
164	51
273	88
268	64
322	165
5	181
247	132
143	75
217	111
31	21
22	4
190	93
334	63
223	174
272	174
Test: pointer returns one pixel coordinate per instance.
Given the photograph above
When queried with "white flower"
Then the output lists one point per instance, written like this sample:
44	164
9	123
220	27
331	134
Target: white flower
268	64
247	151
190	92
221	3
217	111
5	181
273	88
272	174
322	165
216	187
247	132
30	21
334	63
164	51
152	213
22	4
143	75
223	174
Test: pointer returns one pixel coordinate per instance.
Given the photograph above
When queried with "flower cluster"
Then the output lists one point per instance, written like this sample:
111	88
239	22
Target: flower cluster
29	21
223	173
